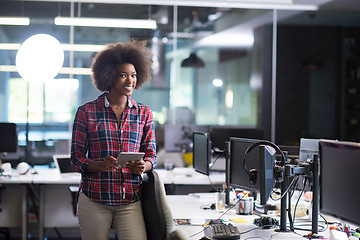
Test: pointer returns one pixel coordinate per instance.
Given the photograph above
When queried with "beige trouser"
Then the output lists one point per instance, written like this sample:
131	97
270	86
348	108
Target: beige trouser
96	219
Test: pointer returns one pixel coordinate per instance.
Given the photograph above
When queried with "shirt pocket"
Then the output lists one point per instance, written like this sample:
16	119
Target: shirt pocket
133	135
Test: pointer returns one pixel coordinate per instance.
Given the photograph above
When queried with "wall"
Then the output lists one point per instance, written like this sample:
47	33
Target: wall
307	99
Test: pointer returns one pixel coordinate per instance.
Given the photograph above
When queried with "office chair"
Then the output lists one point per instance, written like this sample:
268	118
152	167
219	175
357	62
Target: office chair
157	215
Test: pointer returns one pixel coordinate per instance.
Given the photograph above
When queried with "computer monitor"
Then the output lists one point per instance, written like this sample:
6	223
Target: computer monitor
261	158
222	134
267	160
308	147
178	138
339	176
201	152
8	138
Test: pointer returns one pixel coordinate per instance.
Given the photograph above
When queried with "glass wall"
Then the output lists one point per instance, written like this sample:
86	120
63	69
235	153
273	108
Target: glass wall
221	38
234	86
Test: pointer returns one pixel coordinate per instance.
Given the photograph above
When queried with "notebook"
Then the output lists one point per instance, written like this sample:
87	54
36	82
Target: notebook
62	163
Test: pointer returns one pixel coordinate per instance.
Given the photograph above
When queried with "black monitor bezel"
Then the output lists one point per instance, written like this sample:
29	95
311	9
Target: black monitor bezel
239	167
221	134
204	166
334	191
266	172
8	138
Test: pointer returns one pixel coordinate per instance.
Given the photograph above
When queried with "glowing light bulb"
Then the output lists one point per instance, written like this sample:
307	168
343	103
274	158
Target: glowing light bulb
39	58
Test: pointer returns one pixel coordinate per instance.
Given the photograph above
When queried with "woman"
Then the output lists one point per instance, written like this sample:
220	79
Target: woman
110	194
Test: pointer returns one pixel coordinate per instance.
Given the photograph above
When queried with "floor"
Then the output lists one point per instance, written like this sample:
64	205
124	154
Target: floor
50	234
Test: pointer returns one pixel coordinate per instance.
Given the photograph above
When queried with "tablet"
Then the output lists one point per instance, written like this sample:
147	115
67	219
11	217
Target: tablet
129	156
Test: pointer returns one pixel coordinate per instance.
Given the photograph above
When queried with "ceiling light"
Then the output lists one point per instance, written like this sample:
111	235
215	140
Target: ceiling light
66	47
217	82
63	70
82	47
9	46
76	71
14	21
106	22
229	98
39	58
193	61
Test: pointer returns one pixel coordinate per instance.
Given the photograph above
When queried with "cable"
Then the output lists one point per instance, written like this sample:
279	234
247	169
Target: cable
250	230
254	238
326	222
211	183
274	235
289	213
291	220
206	224
296	204
321	227
292	182
215	161
267	143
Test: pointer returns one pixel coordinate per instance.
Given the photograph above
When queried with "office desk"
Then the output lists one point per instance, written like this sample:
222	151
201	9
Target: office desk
181	181
55	198
189	207
55	201
14	202
56	208
54	194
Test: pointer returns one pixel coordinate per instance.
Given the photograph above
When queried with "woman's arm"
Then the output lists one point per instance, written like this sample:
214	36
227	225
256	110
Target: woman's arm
79	142
148	142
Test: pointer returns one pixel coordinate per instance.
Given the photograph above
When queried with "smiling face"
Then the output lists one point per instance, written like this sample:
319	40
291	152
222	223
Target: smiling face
126	80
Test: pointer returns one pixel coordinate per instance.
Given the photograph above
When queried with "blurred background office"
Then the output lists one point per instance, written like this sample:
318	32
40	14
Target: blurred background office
288	68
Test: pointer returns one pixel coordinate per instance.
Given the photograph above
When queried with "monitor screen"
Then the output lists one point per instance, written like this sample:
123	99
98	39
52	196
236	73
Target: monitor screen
201	152
261	158
178	138
222	134
8	138
339	176
63	163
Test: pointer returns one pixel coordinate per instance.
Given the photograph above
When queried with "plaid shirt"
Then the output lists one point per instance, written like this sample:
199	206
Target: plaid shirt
97	134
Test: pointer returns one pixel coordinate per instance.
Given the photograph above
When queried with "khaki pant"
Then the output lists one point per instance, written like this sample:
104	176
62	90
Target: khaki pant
96	220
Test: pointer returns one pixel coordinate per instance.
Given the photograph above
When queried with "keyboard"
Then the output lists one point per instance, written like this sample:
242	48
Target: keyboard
222	231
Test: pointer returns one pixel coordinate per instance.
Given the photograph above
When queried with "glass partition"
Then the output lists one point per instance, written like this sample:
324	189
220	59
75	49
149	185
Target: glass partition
221	37
234	86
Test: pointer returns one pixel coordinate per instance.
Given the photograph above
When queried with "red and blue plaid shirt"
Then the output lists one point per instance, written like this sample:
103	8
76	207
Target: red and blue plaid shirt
97	133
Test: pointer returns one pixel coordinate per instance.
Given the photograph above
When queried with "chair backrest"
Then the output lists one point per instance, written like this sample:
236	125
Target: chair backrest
157	214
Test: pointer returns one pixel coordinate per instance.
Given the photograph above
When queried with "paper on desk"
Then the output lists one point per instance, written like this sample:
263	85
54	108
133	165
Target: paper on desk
239	220
197	221
189	221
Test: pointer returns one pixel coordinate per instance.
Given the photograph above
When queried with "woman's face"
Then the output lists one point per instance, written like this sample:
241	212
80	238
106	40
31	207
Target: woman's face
126	80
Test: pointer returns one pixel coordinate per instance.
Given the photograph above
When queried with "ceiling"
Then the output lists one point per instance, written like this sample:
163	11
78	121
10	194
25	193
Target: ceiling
194	20
191	18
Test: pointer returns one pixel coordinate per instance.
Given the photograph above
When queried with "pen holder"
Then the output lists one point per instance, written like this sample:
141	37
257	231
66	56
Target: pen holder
245	206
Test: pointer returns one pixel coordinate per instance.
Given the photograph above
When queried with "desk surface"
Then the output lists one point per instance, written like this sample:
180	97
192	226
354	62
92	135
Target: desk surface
182	206
189	207
189	176
184	176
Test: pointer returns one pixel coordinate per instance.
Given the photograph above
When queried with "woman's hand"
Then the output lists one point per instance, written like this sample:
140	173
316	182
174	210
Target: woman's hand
108	164
137	167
